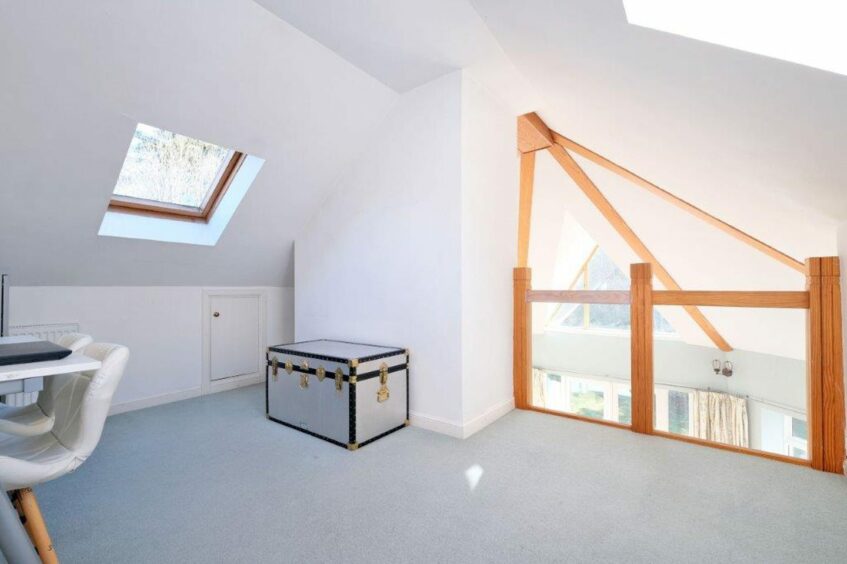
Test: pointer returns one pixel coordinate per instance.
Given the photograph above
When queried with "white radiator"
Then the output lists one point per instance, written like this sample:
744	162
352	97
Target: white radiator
47	332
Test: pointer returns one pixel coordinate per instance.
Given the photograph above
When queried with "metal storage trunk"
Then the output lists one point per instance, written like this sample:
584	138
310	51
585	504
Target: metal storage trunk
349	394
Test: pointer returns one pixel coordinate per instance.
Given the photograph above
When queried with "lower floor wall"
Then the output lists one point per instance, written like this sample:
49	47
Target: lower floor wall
161	325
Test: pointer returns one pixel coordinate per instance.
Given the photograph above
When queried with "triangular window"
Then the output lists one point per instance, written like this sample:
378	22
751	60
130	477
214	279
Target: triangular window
600	273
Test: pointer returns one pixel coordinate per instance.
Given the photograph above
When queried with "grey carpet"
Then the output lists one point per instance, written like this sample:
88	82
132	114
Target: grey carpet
211	480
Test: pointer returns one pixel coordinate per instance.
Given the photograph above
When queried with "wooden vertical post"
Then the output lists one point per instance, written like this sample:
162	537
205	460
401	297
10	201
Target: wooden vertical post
532	136
641	318
525	206
833	365
825	376
522	358
814	372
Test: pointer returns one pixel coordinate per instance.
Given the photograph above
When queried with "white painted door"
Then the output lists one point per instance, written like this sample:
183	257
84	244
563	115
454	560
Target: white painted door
234	343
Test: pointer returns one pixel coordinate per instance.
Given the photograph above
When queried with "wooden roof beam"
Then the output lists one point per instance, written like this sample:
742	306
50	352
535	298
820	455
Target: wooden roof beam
533	133
572	168
679	202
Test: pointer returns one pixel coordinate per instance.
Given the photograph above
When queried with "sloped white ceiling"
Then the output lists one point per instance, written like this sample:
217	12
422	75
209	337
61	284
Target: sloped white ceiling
754	140
407	43
77	76
403	43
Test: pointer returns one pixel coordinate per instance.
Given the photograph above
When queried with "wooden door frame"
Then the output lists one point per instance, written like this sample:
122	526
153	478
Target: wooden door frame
207	385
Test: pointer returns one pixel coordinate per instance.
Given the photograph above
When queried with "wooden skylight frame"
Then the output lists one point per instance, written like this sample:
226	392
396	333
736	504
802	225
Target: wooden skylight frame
203	213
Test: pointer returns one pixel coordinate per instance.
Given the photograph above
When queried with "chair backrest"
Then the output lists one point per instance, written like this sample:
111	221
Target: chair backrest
81	401
74	341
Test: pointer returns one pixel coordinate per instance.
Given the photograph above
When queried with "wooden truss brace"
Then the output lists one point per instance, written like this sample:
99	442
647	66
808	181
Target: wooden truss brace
624	230
679	202
534	135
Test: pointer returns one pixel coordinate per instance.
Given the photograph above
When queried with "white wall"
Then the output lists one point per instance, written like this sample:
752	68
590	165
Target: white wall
489	250
381	260
415	249
162	326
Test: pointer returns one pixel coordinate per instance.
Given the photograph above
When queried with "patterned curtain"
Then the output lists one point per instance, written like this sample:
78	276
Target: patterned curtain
721	418
538	398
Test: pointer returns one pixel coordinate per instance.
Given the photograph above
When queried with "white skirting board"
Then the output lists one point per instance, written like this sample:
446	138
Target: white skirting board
182	395
462	431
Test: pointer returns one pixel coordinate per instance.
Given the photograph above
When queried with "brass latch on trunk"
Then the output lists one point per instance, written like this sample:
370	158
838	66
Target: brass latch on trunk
275	368
320	373
383	393
339	378
304	375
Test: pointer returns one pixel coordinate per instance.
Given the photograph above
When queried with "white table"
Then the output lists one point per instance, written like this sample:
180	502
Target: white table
14	542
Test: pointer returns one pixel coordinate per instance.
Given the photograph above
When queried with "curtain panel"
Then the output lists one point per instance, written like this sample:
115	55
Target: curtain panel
721	418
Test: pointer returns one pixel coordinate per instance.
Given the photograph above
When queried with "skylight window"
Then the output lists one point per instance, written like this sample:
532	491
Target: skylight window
169	174
808	33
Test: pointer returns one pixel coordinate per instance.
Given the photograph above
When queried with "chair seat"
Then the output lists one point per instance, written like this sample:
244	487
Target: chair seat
28	461
26	421
80	402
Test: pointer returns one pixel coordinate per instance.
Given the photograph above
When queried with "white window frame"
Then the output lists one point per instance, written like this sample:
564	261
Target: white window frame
789	440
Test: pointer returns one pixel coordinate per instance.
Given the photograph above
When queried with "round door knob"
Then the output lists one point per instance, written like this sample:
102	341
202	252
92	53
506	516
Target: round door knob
217	314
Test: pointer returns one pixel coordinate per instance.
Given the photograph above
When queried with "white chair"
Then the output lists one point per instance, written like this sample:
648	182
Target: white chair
81	403
37	418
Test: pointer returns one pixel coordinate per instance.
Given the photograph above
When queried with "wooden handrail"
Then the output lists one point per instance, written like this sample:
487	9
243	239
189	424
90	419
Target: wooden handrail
789	300
578	296
795	300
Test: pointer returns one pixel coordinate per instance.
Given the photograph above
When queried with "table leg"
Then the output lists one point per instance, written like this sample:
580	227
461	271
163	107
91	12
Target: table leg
14	542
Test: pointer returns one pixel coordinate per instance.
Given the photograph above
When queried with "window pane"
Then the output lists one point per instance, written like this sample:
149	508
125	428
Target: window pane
798	453
576	317
678	412
608	316
799	429
625	407
587	398
603	275
553	391
166	167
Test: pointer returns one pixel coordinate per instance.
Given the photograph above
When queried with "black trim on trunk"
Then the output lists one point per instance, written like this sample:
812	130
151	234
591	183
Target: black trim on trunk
388	432
375	373
351	421
344	377
282	349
